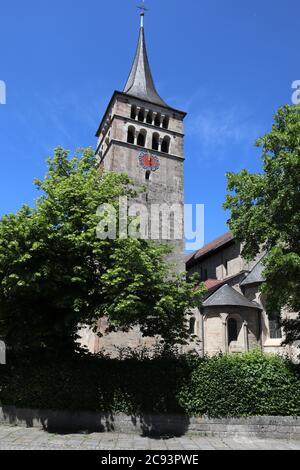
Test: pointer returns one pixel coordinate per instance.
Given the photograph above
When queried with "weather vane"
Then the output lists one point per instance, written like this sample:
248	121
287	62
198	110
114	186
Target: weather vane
143	10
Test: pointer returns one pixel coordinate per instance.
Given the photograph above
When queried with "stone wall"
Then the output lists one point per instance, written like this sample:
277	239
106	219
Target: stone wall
215	329
266	427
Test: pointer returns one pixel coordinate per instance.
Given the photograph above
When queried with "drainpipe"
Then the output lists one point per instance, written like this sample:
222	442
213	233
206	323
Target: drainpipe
202	327
259	319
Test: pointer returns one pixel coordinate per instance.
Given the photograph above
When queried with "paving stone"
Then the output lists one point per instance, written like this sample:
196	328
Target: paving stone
13	438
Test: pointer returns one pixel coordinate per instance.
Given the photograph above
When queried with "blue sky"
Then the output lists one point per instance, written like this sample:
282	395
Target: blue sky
229	64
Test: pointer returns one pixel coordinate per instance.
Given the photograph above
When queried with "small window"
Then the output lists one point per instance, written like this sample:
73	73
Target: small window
232	330
141	116
165	146
131	135
192	326
275	329
141	140
157	120
155	141
149	118
148	175
204	274
133	112
226	267
165	122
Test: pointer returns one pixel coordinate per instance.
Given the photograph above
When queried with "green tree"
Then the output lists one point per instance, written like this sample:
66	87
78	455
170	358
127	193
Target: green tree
56	274
265	214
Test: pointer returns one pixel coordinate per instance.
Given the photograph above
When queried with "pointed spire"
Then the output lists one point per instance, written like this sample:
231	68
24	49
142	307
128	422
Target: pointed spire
140	82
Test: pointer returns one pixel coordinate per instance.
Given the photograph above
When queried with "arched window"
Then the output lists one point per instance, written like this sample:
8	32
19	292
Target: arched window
155	141
165	123
192	326
157	120
149	118
131	135
275	328
133	112
141	140
165	146
148	175
232	330
141	116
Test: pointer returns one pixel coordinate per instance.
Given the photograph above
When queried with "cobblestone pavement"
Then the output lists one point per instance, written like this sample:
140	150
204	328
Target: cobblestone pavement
18	438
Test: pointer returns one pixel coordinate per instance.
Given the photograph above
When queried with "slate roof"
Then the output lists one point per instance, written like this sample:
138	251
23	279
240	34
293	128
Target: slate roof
140	82
255	276
229	297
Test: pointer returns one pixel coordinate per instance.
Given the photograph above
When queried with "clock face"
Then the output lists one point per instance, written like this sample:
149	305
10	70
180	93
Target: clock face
149	161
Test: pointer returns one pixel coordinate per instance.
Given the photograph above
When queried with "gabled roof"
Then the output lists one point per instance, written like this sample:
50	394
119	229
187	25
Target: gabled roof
211	284
255	276
229	297
208	249
140	81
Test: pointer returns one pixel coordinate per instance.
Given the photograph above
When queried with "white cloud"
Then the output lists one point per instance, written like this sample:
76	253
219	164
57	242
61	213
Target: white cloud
216	130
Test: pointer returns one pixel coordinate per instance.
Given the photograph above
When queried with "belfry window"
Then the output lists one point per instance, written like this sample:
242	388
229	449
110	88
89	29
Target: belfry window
149	118
133	112
157	120
165	146
131	135
165	122
141	116
232	330
141	140
155	141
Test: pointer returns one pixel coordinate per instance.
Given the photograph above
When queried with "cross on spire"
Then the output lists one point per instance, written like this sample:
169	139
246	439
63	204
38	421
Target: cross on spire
142	14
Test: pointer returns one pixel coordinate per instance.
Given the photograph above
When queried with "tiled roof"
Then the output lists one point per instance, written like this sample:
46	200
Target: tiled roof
229	297
210	247
211	283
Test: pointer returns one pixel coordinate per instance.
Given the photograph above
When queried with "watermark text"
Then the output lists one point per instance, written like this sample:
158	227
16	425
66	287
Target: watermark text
2	92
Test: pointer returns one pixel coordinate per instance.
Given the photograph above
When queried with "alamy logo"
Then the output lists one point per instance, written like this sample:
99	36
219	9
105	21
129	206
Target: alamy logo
152	222
296	94
2	92
2	353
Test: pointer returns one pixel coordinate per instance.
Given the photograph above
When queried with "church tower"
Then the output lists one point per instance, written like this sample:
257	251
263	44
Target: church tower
141	135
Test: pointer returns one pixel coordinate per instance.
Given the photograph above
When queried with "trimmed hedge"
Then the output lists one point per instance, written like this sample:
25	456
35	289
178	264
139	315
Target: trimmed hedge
231	385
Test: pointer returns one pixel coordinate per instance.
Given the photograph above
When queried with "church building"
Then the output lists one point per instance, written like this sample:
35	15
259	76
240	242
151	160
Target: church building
233	317
142	136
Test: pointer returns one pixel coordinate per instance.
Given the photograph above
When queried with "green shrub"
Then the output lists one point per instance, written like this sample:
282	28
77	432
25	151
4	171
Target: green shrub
252	384
231	385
